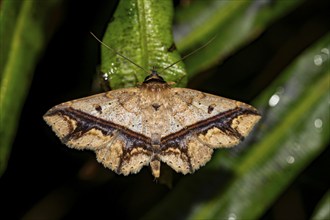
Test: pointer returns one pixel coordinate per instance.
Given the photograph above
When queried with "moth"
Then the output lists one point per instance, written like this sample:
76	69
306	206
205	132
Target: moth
152	123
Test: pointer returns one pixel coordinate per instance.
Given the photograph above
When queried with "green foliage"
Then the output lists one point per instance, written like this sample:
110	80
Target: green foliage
322	211
24	32
141	30
234	23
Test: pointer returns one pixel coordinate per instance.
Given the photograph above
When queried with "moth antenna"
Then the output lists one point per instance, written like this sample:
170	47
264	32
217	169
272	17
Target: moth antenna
119	54
188	55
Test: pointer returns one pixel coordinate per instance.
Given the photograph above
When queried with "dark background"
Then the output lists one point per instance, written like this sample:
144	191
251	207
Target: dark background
46	177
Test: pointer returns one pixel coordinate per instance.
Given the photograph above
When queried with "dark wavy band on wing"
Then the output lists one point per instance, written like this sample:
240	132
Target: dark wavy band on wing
86	122
221	121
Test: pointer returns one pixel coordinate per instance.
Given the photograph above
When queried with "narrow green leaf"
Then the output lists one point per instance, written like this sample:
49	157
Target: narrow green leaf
21	46
322	211
276	160
234	23
8	16
231	186
142	31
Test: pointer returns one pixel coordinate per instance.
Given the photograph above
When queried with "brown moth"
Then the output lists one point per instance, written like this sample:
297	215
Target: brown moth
152	123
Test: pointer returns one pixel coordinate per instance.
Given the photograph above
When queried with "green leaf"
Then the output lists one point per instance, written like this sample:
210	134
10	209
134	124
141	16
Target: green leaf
288	140
24	32
234	23
322	211
141	31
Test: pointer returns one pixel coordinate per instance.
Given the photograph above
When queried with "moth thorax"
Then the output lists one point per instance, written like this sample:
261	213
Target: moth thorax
155	87
155	140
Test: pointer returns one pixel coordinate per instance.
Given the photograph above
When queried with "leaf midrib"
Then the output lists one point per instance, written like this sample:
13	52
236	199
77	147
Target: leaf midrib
143	33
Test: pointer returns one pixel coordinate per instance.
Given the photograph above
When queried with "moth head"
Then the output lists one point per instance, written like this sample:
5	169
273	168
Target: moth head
154	77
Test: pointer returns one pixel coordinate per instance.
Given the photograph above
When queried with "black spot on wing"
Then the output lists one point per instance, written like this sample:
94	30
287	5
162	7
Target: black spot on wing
98	108
210	109
155	106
